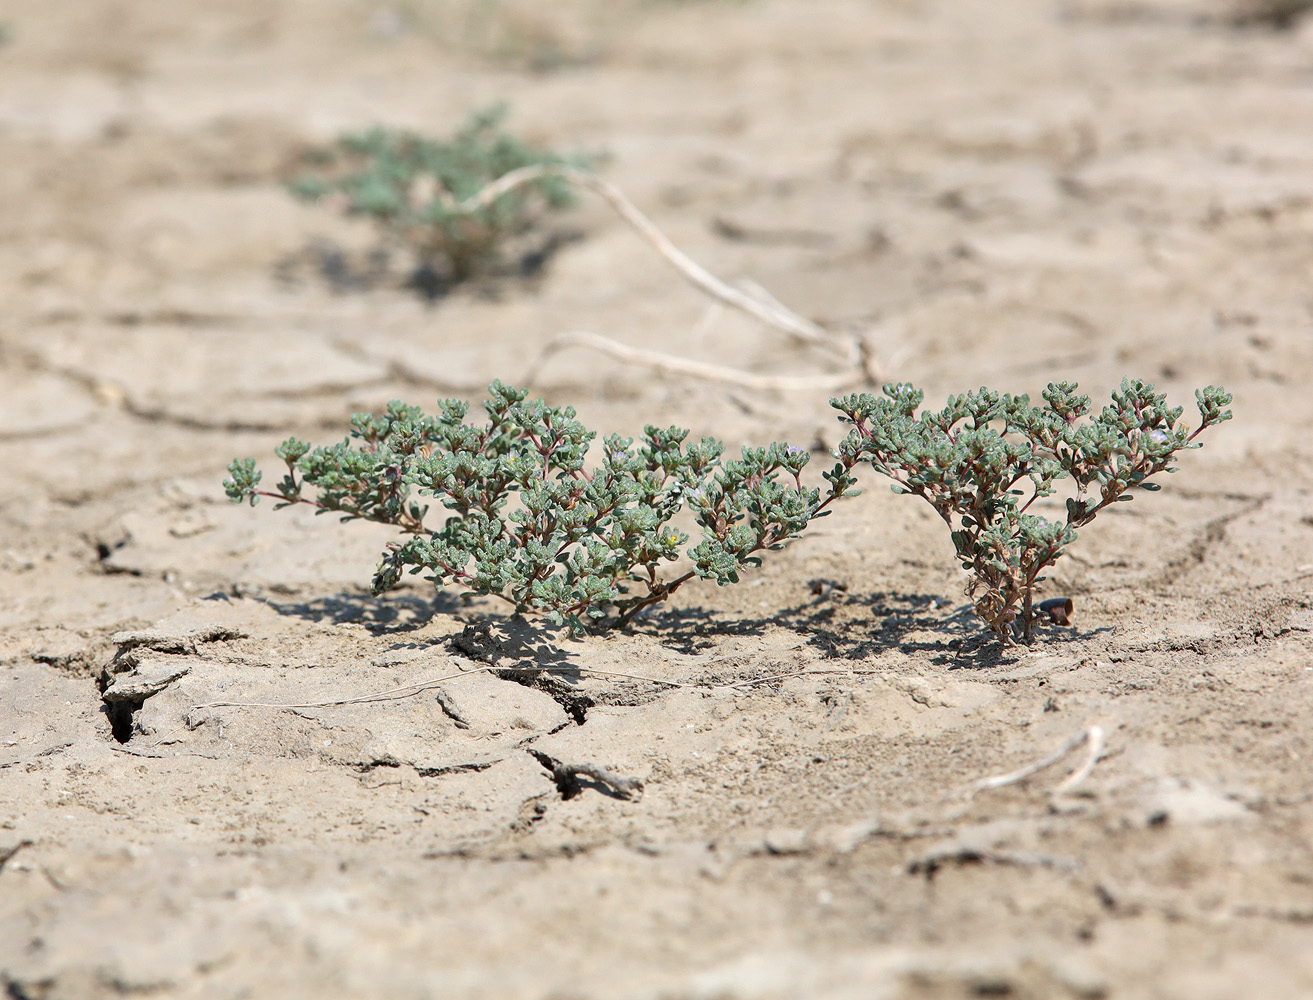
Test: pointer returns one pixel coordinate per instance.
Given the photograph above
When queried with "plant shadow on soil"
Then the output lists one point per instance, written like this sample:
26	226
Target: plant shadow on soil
841	625
854	626
385	615
489	637
346	271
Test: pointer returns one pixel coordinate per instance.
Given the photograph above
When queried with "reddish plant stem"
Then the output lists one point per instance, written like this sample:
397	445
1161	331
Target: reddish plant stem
405	522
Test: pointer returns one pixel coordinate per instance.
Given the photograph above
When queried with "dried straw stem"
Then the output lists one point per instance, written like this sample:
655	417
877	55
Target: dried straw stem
670	364
1093	736
762	306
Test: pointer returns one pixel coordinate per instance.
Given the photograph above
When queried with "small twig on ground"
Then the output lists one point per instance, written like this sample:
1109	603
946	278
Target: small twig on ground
1094	736
160	756
567	777
1096	742
670	364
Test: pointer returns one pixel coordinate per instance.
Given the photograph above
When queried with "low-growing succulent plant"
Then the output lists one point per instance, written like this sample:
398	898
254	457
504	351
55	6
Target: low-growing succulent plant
413	187
527	521
986	457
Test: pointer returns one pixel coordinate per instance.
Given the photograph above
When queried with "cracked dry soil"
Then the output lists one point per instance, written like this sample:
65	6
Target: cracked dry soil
1002	194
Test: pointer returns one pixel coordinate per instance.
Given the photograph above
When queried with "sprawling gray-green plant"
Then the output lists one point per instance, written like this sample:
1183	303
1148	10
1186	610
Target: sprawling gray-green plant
986	457
527	522
412	186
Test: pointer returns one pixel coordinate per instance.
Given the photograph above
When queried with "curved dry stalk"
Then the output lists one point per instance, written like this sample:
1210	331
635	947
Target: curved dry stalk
760	304
1097	742
671	364
1093	736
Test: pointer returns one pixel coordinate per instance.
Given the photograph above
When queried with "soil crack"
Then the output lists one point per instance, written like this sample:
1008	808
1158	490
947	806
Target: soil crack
1212	533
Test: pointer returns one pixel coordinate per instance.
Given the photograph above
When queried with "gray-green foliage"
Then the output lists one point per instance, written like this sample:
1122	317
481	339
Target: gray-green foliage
527	521
411	186
987	456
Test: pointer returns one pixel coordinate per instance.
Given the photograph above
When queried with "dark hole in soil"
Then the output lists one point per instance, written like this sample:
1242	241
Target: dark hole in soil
120	715
576	705
119	712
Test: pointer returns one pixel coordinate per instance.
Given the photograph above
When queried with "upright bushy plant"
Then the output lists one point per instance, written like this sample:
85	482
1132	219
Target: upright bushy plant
412	188
529	523
986	457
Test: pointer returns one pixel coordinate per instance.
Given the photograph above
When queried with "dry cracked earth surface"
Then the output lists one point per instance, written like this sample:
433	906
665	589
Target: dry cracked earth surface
987	193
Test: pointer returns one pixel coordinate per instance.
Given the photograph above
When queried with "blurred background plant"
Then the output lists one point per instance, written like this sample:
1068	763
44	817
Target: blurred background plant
1281	14
412	187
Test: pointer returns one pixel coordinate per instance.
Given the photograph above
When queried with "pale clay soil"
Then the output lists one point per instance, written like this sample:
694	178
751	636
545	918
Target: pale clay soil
992	193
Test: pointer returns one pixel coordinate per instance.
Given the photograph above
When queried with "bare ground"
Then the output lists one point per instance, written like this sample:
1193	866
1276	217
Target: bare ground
997	194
